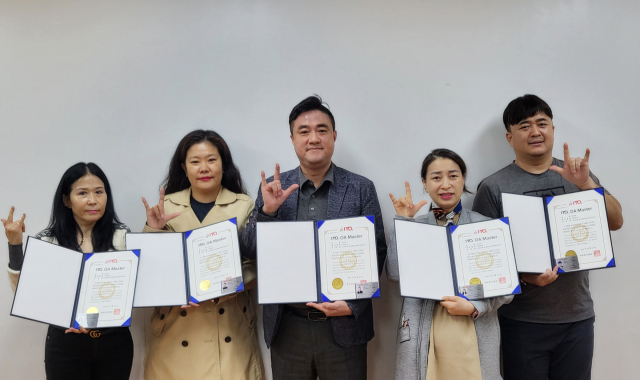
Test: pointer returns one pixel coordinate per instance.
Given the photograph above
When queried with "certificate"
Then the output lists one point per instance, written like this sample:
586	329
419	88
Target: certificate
571	231
308	261
67	288
193	266
473	261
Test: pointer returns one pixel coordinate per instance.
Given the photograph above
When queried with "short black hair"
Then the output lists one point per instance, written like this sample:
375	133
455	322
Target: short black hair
522	108
444	153
312	103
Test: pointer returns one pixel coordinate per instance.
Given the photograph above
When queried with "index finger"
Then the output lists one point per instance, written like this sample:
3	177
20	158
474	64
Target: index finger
586	155
264	179
161	201
10	218
567	157
408	188
276	176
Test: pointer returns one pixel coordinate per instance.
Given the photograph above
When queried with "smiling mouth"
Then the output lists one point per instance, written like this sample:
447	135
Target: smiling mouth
536	142
446	195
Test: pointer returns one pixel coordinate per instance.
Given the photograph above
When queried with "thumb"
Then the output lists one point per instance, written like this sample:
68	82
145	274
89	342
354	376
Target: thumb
290	190
449	298
420	204
4	222
556	169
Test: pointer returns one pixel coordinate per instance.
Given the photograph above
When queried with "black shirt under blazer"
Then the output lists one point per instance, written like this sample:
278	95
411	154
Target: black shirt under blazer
349	195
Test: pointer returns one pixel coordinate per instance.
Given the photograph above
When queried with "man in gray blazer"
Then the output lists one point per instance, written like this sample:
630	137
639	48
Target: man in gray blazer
326	339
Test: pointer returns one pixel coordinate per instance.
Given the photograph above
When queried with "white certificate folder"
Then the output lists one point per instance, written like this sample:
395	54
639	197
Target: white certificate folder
193	266
67	288
317	261
570	230
473	261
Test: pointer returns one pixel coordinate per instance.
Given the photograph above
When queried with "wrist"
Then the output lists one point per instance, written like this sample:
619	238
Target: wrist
590	184
269	212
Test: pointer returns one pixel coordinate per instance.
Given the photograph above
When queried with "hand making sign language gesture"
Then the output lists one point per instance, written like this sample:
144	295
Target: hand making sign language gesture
14	230
156	218
404	206
576	170
272	193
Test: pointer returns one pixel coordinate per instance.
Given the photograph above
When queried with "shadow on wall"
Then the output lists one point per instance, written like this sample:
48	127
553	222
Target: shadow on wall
490	153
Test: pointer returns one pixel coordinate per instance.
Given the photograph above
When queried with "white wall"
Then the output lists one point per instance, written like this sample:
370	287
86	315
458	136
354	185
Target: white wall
119	83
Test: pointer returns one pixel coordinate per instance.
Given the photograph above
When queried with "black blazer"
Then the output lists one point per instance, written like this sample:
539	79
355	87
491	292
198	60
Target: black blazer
349	195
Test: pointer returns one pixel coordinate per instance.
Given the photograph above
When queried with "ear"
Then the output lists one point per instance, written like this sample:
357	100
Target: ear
424	185
509	137
335	135
66	200
185	169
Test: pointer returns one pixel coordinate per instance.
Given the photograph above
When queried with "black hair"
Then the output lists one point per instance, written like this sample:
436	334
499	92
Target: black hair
63	225
176	179
312	103
522	108
444	153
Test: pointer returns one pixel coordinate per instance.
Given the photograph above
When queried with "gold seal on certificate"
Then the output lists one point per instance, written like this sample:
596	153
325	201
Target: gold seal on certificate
205	284
579	232
107	290
475	281
484	260
337	283
92	310
571	253
214	262
348	260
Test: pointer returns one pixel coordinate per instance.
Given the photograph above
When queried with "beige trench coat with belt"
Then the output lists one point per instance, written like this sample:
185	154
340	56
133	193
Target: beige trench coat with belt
216	341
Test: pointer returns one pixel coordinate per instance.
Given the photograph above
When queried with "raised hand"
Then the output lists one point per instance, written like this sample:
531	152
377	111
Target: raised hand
156	217
457	305
575	170
332	309
273	194
404	206
14	230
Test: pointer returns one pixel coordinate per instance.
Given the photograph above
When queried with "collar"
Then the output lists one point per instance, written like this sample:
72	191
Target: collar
439	213
183	197
327	177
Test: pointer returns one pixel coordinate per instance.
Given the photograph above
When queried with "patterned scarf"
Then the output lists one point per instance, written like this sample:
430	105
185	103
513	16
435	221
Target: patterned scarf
439	213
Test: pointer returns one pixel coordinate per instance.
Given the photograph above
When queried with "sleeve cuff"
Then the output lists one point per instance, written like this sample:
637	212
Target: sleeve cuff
16	257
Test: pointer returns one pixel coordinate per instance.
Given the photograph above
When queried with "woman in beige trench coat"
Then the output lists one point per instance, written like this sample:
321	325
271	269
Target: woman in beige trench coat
214	339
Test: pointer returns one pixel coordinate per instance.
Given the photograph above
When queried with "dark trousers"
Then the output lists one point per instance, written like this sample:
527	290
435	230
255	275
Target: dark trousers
305	350
539	351
81	357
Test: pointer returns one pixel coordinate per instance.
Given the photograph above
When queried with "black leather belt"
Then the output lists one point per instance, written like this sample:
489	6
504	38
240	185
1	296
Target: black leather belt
311	315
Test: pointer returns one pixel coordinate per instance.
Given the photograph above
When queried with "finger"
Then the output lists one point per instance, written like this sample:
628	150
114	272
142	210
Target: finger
161	201
290	190
556	169
574	164
393	199
174	215
156	212
420	204
4	222
404	201
23	218
10	218
555	270
448	298
83	330
586	155
318	306
194	304
185	306
277	188
330	306
264	179
146	205
447	304
566	153
276	176
407	189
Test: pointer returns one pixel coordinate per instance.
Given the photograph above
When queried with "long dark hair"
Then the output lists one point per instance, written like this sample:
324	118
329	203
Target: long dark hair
62	224
176	179
445	153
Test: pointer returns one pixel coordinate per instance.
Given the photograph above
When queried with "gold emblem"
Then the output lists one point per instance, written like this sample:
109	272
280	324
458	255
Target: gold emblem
95	333
214	262
484	260
475	281
570	253
348	260
337	283
205	284
579	232
92	310
107	290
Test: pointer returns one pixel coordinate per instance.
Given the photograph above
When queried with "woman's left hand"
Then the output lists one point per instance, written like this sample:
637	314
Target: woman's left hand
14	230
457	305
81	330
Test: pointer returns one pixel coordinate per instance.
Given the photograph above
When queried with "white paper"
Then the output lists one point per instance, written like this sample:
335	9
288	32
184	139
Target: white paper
48	283
161	273
213	260
108	285
424	262
347	256
579	227
483	254
286	259
528	231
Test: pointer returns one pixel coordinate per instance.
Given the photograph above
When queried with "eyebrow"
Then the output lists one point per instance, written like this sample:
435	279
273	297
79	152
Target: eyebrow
318	126
86	188
212	154
450	171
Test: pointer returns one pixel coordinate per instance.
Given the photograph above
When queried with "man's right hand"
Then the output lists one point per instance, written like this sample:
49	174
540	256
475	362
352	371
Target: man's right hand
543	279
273	194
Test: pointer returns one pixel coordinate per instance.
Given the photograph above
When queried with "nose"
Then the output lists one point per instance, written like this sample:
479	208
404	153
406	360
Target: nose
313	137
535	131
446	183
92	199
203	168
